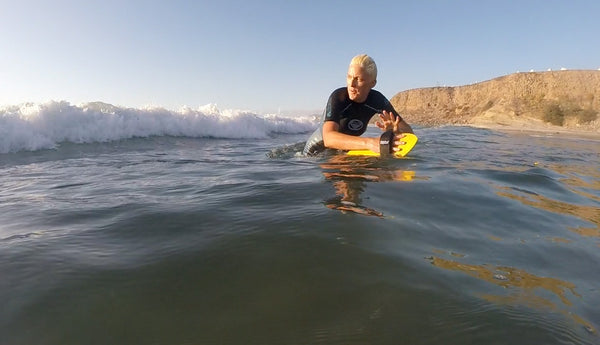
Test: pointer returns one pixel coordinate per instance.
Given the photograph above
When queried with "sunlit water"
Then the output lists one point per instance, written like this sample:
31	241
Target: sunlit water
477	237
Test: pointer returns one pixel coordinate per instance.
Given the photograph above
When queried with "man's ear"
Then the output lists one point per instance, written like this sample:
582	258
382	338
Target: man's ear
374	83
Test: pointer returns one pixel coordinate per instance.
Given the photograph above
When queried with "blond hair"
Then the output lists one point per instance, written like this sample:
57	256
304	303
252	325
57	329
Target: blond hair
366	62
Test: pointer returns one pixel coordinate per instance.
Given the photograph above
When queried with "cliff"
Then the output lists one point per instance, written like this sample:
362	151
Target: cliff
553	100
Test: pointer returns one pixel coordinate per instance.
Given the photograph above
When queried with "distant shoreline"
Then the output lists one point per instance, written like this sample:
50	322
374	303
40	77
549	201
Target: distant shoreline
558	131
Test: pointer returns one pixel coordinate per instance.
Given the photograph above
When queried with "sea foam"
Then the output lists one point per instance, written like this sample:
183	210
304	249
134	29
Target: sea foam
34	126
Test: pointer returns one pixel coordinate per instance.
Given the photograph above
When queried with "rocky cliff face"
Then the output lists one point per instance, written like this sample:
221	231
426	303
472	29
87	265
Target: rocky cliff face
520	97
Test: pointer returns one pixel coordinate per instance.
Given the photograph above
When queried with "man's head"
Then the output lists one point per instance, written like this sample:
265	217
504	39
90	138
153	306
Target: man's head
362	77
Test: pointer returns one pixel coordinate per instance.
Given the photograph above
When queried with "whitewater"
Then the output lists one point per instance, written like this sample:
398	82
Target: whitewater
35	126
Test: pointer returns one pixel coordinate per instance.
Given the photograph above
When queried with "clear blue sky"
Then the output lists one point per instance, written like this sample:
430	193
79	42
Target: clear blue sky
268	55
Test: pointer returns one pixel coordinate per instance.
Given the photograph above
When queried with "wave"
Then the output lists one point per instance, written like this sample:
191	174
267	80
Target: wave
35	126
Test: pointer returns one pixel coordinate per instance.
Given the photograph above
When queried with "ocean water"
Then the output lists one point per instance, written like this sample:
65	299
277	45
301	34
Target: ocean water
150	226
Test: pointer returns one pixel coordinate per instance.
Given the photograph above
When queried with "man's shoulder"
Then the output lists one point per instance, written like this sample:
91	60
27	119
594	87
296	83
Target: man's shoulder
376	95
339	97
340	92
377	99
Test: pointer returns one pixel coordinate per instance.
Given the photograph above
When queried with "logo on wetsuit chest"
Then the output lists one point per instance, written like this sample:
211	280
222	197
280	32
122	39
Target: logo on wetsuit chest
355	125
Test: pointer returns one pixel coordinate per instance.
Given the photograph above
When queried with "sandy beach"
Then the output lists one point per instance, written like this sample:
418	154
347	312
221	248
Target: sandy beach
545	131
510	123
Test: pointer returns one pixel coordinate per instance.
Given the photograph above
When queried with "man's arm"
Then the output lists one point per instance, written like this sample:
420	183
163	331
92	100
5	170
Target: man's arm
333	139
403	127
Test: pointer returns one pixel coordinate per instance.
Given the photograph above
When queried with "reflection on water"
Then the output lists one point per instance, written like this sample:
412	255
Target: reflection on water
348	176
579	177
587	213
348	199
558	240
523	284
510	277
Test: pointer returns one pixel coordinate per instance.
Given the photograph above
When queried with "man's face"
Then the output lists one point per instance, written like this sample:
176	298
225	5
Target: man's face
359	83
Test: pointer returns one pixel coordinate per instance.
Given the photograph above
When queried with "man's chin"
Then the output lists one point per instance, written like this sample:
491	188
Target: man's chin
357	99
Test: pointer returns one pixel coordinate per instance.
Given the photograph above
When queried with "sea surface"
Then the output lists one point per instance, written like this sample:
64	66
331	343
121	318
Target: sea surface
153	226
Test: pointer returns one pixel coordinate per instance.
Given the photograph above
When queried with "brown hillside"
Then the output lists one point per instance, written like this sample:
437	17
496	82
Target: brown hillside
568	99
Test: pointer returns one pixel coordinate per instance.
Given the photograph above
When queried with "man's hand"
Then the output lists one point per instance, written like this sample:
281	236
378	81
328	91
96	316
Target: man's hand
398	142
388	122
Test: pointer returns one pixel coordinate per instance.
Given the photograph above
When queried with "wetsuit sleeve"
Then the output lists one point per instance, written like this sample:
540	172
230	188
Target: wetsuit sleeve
387	105
379	102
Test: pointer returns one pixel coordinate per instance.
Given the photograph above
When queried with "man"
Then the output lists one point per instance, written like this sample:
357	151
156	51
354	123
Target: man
349	110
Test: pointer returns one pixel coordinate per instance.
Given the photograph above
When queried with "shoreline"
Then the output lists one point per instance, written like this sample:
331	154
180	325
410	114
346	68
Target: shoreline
546	129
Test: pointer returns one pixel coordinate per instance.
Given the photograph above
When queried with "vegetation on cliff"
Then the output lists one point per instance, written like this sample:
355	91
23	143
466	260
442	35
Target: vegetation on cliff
570	99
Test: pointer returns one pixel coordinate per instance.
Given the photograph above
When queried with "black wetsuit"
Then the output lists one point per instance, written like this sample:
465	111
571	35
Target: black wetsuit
352	117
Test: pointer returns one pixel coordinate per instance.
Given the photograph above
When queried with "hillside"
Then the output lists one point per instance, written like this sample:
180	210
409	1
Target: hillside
554	100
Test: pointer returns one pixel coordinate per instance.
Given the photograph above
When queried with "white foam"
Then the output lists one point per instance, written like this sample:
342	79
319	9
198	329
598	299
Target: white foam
44	125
